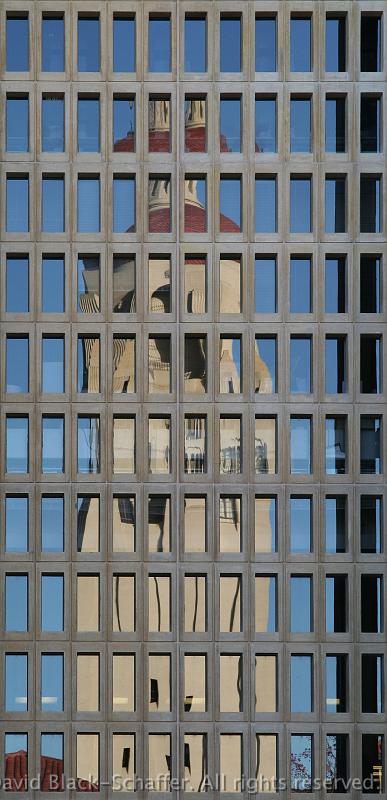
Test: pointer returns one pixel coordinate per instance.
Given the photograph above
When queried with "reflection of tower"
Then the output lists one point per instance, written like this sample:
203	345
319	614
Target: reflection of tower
229	372
263	379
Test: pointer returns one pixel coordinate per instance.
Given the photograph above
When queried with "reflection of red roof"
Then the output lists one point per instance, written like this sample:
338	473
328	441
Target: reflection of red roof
195	139
125	145
159	141
195	221
17	773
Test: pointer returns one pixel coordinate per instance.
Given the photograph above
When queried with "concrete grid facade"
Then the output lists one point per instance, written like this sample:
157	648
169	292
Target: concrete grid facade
178	565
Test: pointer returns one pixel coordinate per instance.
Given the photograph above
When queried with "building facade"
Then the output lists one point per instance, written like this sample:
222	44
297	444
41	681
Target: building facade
193	220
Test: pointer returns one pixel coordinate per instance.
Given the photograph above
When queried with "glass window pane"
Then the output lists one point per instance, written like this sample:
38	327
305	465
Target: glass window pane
88	44
124	205
159	44
195	444
335	205
230	279
230	524
266	692
53	444
17	201
300	205
88	202
88	365
335	125
17	284
124	284
265	365
195	364
265	456
17	364
301	681
231	683
370	124
195	124
16	602
87	524
16	524
265	44
52	524
159	598
53	53
195	284
195	690
53	214
88	125
301	608
230	205
17	442
124	364
230	445
52	364
230	44
89	288
370	445
300	44
159	445
265	524
17	38
230	365
159	683
300	524
87	760
370	203
159	523
88	445
300	125
159	364
88	609
195	524
52	602
266	604
195	204
265	205
124	44
335	445
265	285
265	124
124	523
371	43
123	682
230	125
53	130
17	134
336	679
300	365
230	604
301	762
15	743
195	44
53	280
335	285
16	682
124	124
335	44
300	446
87	682
159	204
371	526
124	445
300	285
51	682
336	524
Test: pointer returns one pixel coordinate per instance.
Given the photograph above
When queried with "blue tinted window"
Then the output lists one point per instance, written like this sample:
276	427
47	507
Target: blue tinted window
88	290
18	56
335	445
335	202
17	124
370	204
300	44
195	44
16	602
159	44
265	285
266	372
124	124
16	524
335	364
88	445
265	205
300	525
230	44
265	44
17	430
52	444
17	364
53	135
300	446
88	125
300	285
16	683
335	285
52	603
230	125
300	205
336	524
300	125
124	44
88	44
300	365
301	684
265	125
88	218
14	743
52	524
336	669
17	205
52	285
51	746
53	205
53	54
124	205
53	364
230	204
17	285
335	44
335	124
301	604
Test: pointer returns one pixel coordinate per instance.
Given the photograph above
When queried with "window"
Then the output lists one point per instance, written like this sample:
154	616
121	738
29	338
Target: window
195	524
300	285
370	364
370	284
370	204
335	364
87	758
372	751
53	213
300	124
123	756
230	44
300	365
17	364
265	204
195	444
195	124
230	189
16	523
159	667
197	745
265	511
335	44
88	44
195	43
159	284
370	43
301	604
87	682
124	445
159	364
17	443
159	753
52	603
230	672
159	588
160	124
230	524
159	523
370	445
300	204
230	373
88	445
301	511
265	124
159	44
123	682
265	455
336	601
159	204
230	603
265	365
265	285
124	43
195	679
195	284
52	444
124	124
300	44
124	204
159	445
371	529
124	284
88	125
88	202
88	603
51	751
371	597
335	284
16	682
266	678
53	281
16	602
124	523
300	445
230	445
336	536
17	284
265	44
53	364
336	683
372	683
52	523
335	445
335	204
370	124
195	204
124	364
195	364
53	43
17	43
230	140
17	130
335	124
16	743
88	368
301	684
230	284
17	202
53	129
231	759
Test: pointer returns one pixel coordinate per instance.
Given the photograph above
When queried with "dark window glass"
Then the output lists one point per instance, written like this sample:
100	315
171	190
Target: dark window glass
17	205
17	435
370	284
17	114
336	683
124	124
300	44
371	603
370	204
300	125
17	33
230	44
159	44
88	44
195	44
336	524
266	204
16	603
300	446
371	43
335	364
300	285
124	205
370	445
370	124
53	296
371	523
52	675
301	604
372	700
300	205
124	44
335	138
370	364
16	684
88	445
230	125
301	684
53	52
265	371
88	200
17	285
52	445
335	204
230	205
17	364
53	205
53	131
88	371
300	524
335	445
335	285
53	364
265	285
336	604
16	524
52	603
300	365
52	524
337	761
265	44
88	125
265	124
335	44
88	290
